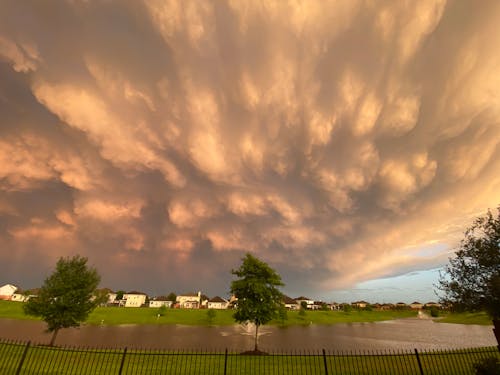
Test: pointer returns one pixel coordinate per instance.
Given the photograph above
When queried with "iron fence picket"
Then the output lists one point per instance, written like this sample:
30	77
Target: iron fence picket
24	358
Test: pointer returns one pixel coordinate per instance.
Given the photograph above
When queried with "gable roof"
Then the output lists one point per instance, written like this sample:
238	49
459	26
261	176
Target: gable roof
288	300
217	299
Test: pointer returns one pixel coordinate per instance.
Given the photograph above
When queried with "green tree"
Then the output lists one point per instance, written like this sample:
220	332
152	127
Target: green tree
256	288
172	297
119	295
162	310
67	296
211	314
471	280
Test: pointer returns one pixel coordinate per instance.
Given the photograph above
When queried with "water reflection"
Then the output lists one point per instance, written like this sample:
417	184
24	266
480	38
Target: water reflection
395	334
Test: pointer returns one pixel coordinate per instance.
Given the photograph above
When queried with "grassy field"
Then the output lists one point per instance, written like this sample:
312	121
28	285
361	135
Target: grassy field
47	360
122	315
467	318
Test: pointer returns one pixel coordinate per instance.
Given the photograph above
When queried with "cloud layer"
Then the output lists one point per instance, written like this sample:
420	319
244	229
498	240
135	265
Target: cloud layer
164	139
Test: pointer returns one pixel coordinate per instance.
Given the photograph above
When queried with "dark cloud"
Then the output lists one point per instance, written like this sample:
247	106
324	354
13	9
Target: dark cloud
163	140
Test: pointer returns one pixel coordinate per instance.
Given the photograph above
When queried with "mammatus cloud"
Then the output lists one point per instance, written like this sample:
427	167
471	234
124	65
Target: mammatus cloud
165	139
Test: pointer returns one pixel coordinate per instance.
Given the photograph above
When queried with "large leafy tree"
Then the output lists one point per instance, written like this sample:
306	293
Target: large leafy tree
67	296
471	281
256	288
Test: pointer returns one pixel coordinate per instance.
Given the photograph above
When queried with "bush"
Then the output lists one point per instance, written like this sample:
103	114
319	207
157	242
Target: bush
488	366
434	312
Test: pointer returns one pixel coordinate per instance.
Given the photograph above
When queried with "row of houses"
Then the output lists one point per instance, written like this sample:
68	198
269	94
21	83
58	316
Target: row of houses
199	300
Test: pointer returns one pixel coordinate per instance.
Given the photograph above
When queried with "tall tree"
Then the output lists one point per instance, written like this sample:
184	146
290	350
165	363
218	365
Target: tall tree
256	288
67	296
471	280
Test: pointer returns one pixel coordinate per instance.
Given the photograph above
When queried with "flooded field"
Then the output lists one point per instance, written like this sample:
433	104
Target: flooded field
395	334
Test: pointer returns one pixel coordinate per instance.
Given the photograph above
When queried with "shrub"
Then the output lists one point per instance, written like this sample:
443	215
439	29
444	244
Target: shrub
434	312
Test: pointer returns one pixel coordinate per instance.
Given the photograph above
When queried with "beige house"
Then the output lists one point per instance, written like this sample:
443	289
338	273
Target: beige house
360	304
7	291
19	297
160	301
217	303
290	303
416	305
134	299
309	302
189	300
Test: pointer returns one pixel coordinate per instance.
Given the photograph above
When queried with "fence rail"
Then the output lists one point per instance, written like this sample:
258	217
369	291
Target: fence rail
27	358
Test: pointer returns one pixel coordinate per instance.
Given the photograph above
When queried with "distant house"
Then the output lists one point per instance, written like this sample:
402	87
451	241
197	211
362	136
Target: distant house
401	305
7	291
19	297
416	305
309	302
217	303
160	301
290	303
189	300
360	304
386	306
134	299
428	305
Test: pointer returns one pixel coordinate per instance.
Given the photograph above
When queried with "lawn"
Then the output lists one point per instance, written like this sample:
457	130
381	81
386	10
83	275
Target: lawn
47	360
122	315
480	318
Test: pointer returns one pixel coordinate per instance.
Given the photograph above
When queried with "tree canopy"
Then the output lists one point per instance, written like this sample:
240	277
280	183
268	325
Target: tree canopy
67	296
256	288
471	280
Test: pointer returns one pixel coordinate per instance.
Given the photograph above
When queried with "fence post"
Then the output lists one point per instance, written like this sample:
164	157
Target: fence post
23	357
123	361
324	362
225	362
419	363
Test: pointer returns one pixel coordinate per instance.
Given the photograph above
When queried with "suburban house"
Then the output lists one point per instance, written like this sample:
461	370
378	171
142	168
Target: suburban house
290	303
416	305
217	303
401	305
160	301
134	299
19	297
189	301
428	305
309	302
7	291
360	304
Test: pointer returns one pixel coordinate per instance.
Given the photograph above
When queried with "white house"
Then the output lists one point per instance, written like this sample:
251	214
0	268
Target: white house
309	302
134	299
290	303
7	291
160	301
19	297
189	300
217	303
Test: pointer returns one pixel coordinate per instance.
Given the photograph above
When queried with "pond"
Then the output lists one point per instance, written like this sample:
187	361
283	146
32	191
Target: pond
394	334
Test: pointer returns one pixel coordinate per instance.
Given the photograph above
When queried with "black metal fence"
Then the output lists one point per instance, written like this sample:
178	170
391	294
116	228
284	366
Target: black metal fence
26	358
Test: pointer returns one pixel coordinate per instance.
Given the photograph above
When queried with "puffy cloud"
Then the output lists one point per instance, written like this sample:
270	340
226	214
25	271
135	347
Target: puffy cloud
332	139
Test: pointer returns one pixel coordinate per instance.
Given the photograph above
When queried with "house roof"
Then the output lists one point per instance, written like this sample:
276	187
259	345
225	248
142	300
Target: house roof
288	300
160	298
217	299
302	298
191	294
415	303
136	292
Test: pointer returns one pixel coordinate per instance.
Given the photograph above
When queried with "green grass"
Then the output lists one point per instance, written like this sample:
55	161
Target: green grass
47	360
123	315
466	318
13	310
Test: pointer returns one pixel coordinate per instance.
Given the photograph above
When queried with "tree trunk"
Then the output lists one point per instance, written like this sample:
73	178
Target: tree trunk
54	334
496	331
256	337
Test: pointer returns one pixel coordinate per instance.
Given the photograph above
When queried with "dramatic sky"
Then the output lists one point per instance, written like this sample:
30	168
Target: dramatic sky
346	143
